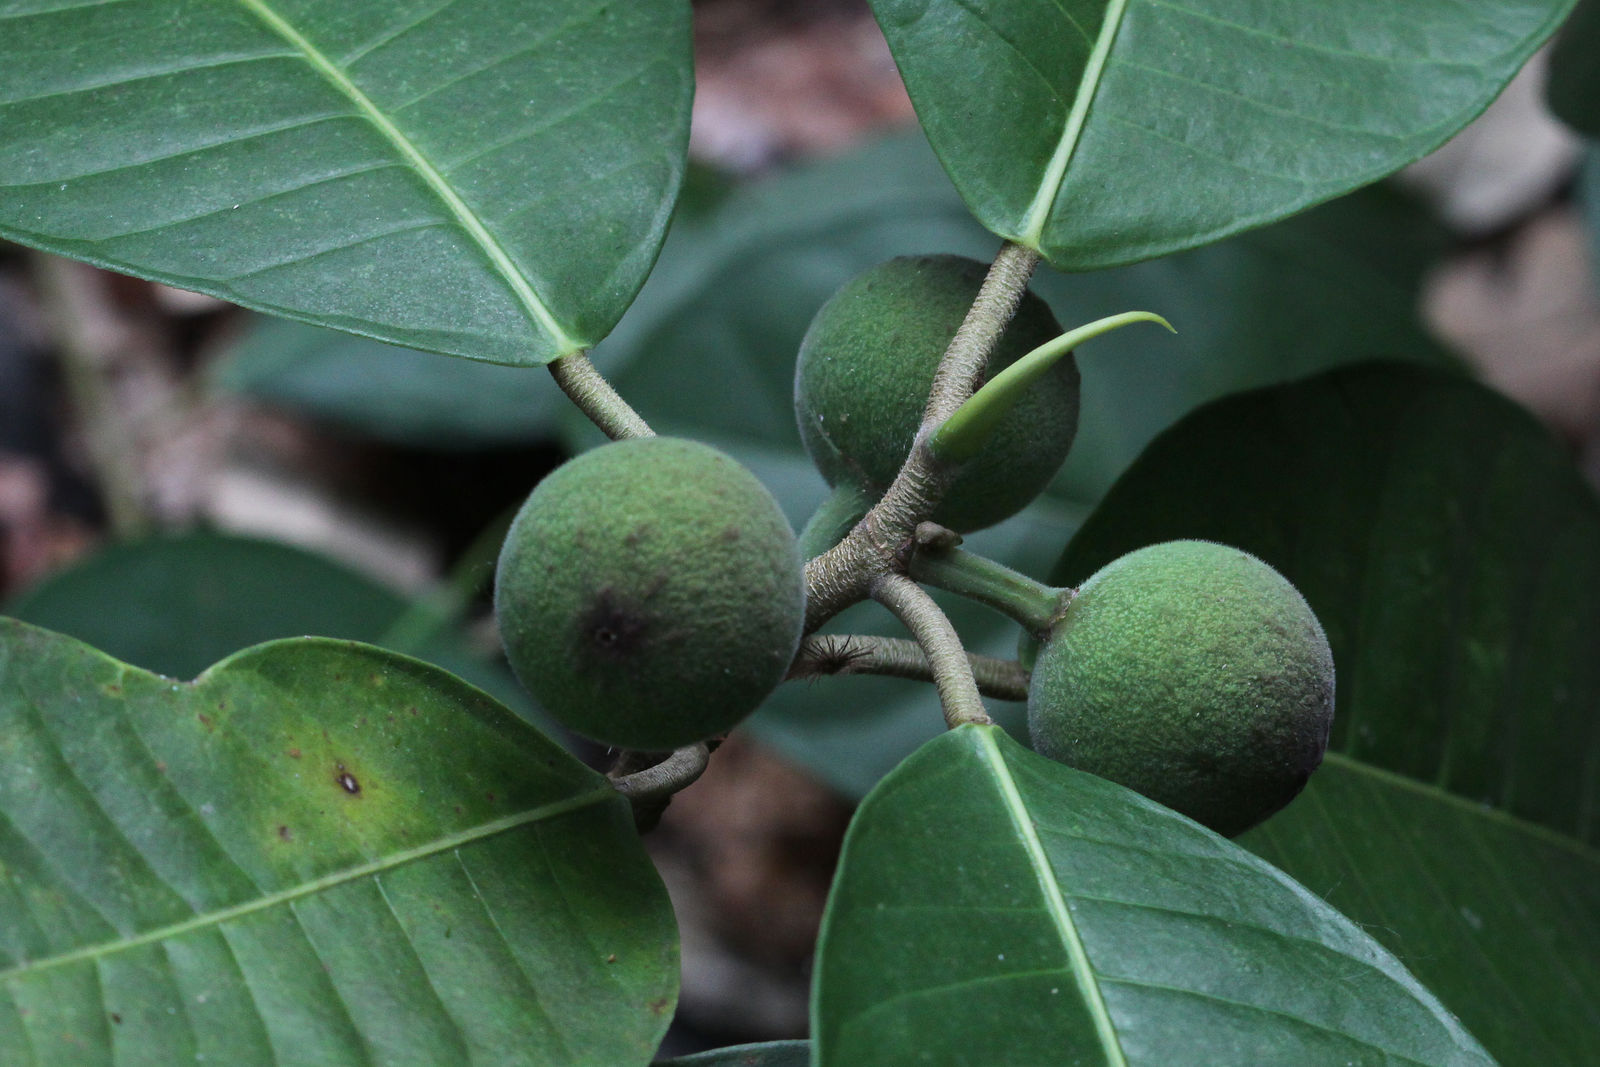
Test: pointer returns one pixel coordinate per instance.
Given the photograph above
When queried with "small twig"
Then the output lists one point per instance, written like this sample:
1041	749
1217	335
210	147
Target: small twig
650	787
595	397
952	673
672	775
895	657
845	573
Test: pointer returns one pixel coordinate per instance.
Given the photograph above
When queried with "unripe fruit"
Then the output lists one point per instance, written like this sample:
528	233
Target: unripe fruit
866	367
650	593
1193	673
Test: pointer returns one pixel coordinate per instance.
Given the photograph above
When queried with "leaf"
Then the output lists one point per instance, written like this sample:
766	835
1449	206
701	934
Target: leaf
485	178
1573	88
766	1054
991	899
316	852
397	395
1103	132
176	604
1498	917
1453	555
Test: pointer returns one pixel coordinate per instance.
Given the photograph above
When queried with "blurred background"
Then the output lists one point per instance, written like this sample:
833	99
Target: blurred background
179	478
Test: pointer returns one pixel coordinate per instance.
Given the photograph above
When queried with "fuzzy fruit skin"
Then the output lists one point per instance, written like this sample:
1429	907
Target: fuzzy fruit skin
650	593
1193	673
866	366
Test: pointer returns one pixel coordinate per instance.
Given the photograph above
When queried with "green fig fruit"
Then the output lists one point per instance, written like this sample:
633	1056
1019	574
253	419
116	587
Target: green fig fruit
1190	672
866	367
650	593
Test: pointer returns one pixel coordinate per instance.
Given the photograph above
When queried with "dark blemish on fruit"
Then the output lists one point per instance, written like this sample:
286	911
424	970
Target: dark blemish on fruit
347	781
610	630
658	1005
284	834
730	534
113	690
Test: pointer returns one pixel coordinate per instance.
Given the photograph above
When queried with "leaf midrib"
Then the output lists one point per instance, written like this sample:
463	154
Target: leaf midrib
1056	171
1055	903
530	300
389	862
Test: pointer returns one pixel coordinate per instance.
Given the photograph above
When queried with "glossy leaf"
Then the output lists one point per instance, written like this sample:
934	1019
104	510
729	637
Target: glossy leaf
1498	917
317	852
176	604
1573	88
990	899
1453	555
1103	132
766	1054
487	178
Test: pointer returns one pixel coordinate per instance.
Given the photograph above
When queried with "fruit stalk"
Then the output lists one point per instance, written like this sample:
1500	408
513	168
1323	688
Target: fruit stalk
827	654
595	397
1032	604
952	673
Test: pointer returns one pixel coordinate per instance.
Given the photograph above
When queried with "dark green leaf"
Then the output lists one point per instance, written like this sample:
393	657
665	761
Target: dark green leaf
767	1054
1498	917
994	906
317	852
1574	86
1453	555
1107	131
177	604
487	178
394	394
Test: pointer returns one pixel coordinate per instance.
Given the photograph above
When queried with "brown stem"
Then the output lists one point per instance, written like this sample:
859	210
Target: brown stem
952	673
595	397
845	573
895	657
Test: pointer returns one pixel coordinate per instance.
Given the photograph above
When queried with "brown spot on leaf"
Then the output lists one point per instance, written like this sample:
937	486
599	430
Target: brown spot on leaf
611	958
205	720
285	834
116	1018
347	781
730	534
658	1005
294	753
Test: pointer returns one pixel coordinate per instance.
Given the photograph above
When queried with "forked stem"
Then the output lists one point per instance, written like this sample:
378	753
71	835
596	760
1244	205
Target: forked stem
952	672
895	657
595	397
846	573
